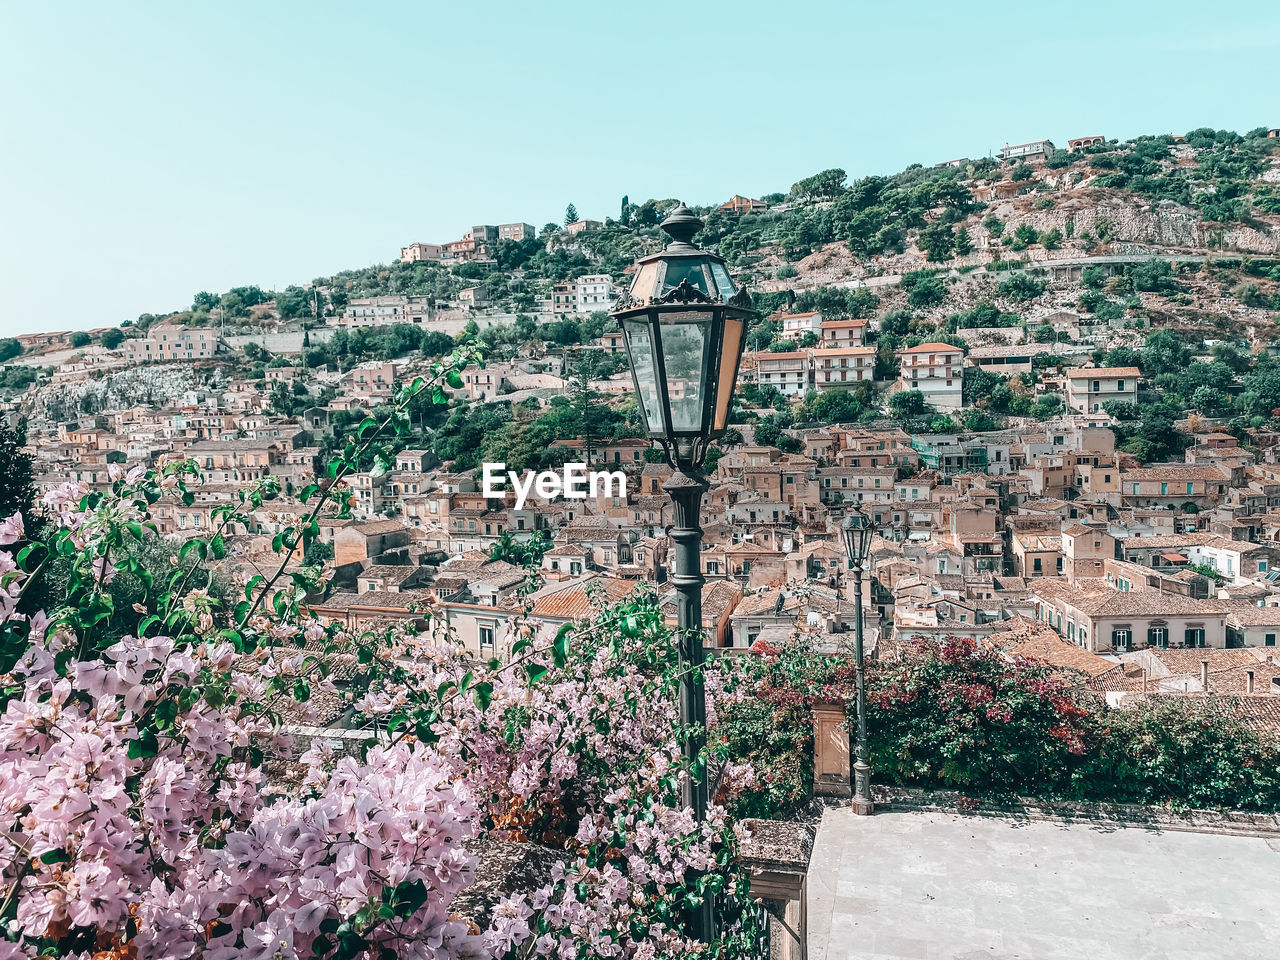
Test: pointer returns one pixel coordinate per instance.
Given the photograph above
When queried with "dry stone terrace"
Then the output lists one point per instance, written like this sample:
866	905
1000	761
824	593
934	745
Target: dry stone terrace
936	886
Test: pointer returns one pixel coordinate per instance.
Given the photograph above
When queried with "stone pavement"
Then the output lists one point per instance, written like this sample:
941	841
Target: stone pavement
936	885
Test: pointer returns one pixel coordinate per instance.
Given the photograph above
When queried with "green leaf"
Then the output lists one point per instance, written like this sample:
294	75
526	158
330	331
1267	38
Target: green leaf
301	692
536	671
144	746
454	379
57	855
483	693
560	646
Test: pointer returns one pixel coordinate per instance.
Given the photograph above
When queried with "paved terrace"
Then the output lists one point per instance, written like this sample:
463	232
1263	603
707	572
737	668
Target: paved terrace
935	885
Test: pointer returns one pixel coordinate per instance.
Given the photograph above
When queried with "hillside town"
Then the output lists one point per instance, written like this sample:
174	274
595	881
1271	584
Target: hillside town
1002	412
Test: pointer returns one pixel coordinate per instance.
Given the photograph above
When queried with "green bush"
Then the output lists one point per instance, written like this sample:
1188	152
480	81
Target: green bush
1021	286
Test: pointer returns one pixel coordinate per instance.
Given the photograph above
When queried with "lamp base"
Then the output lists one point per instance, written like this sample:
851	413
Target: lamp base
863	808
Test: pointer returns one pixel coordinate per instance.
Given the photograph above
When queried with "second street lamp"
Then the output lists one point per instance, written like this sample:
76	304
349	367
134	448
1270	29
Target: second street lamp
684	324
857	531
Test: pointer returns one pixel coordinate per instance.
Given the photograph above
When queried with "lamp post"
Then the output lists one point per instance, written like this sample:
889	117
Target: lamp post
684	324
857	531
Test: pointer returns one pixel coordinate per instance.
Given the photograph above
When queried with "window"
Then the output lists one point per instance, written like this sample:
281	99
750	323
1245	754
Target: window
486	637
1270	640
1035	565
1194	635
1164	489
1158	634
1188	488
1121	636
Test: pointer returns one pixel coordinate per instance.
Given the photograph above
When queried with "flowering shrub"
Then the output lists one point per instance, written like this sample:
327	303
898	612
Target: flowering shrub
956	716
136	816
953	715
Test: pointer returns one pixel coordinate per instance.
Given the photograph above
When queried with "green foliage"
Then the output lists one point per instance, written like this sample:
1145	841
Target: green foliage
937	241
928	292
983	314
9	348
994	225
838	303
835	406
1164	352
908	405
825	185
1153	276
952	715
522	553
1058	159
17	483
1020	286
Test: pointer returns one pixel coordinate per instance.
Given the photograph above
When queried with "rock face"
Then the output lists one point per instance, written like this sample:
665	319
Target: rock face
158	385
1164	224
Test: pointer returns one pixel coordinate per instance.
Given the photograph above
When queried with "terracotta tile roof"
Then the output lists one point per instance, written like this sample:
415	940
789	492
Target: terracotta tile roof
932	347
572	602
1103	373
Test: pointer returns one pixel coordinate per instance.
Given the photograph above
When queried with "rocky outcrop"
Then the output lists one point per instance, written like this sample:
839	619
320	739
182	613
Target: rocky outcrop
152	385
1163	224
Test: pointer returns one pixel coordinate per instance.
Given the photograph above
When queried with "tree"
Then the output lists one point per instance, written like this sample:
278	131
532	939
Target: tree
1164	352
1020	286
821	186
927	293
1051	240
570	214
937	241
908	404
204	301
963	242
17	484
112	338
9	348
81	339
624	214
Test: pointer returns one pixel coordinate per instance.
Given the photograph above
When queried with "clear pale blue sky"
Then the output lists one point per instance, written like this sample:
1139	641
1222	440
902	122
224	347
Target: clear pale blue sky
149	150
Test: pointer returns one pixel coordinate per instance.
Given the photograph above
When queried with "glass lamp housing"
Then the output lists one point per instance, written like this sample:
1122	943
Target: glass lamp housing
857	531
684	326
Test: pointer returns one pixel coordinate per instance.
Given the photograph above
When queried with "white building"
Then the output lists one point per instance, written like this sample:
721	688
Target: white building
585	295
1088	388
790	373
1035	150
384	311
937	371
171	341
796	325
835	368
416	252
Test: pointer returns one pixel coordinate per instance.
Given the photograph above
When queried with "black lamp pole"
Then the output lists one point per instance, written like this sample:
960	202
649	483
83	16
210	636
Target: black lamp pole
684	325
686	492
857	537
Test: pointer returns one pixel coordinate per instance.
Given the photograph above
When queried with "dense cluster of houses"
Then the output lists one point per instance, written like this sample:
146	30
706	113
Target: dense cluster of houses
1043	535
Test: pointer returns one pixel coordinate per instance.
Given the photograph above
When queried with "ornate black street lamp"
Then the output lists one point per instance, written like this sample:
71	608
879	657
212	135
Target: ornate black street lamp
857	531
684	324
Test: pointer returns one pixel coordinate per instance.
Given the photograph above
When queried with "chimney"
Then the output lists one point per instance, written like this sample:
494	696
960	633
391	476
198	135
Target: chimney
1204	675
1248	681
